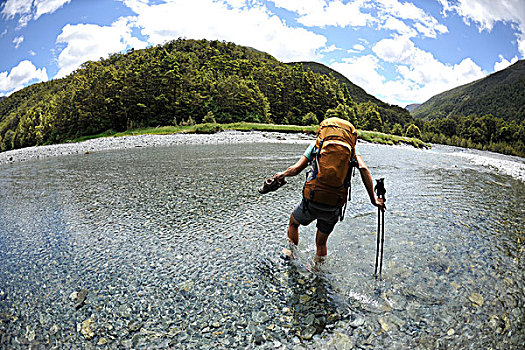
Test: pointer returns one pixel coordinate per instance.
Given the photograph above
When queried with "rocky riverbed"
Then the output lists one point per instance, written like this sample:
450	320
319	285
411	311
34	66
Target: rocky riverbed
141	243
124	142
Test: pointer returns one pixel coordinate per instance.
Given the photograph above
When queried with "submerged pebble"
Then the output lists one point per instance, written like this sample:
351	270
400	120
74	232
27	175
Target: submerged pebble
174	247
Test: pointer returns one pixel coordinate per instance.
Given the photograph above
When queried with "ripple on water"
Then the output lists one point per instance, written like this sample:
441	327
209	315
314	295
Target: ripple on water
175	247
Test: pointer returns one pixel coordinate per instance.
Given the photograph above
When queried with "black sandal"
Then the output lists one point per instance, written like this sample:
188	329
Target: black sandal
271	184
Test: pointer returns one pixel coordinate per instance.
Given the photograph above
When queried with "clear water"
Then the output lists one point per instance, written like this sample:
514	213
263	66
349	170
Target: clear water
176	248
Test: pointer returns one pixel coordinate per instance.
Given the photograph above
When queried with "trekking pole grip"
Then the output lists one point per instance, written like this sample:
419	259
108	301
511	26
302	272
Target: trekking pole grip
380	188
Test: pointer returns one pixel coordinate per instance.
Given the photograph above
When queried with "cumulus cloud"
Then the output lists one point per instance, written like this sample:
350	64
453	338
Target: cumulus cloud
419	75
363	71
251	25
421	71
503	63
402	17
486	13
28	10
21	75
84	42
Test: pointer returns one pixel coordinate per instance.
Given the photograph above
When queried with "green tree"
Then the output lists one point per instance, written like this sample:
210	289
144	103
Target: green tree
310	119
209	118
413	131
397	129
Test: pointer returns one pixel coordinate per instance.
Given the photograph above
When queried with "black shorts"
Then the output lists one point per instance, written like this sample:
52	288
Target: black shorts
327	216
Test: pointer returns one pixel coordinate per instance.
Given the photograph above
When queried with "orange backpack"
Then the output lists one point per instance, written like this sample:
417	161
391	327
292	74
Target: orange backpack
334	154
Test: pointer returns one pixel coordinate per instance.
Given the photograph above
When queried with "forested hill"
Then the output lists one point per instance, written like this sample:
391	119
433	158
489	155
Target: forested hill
487	114
358	94
183	81
501	94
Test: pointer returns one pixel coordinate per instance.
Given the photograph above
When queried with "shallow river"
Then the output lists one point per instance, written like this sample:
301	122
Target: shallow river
175	248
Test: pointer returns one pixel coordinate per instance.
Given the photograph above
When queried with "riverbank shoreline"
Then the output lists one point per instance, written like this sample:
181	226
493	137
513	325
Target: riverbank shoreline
150	140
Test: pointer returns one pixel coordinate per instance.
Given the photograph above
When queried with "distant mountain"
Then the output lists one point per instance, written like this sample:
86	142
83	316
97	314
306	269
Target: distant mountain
390	113
501	94
412	106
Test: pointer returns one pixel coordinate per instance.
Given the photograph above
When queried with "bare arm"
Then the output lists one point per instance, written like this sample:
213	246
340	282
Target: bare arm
369	183
294	169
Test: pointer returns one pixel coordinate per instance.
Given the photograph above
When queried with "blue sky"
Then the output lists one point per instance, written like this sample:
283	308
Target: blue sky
400	51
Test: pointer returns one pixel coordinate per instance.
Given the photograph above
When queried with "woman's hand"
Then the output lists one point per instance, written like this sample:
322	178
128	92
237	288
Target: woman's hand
279	176
379	202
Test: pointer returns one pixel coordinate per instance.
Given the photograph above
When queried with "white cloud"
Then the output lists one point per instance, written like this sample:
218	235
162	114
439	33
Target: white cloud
320	13
30	9
330	48
503	63
424	23
252	26
385	14
21	75
12	8
422	67
48	6
363	71
398	26
18	40
419	75
86	42
486	13
302	7
356	48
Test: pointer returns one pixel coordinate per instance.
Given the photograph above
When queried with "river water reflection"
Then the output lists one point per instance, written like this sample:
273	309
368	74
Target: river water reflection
175	248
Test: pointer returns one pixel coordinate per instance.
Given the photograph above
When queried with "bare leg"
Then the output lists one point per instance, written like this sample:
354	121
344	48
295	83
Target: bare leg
320	242
293	238
293	231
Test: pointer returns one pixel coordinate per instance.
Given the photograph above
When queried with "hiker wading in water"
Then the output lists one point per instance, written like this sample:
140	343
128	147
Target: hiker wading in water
325	193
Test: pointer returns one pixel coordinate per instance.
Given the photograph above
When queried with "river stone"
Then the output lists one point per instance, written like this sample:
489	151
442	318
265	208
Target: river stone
260	317
304	298
358	322
476	299
308	332
384	325
81	298
86	328
124	311
102	341
342	342
134	326
30	334
451	332
309	319
73	296
54	329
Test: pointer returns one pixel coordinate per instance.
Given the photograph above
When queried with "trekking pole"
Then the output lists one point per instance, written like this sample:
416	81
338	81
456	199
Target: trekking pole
380	192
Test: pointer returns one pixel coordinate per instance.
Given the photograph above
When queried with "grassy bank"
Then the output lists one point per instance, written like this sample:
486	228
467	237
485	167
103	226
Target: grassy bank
369	136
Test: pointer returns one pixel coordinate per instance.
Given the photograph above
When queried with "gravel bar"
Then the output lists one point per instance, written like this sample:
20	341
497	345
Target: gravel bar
112	143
